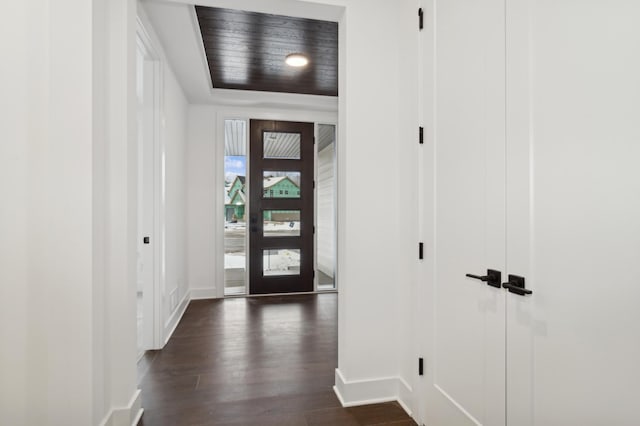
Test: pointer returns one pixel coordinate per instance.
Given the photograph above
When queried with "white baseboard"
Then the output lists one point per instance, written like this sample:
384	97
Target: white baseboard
175	318
204	293
125	416
373	391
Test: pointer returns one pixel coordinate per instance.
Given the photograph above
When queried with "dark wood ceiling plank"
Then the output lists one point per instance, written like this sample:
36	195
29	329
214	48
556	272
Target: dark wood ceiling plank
246	50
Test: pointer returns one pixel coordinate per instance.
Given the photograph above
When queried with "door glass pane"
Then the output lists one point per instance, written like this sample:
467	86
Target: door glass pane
283	146
235	225
326	206
281	223
281	185
281	262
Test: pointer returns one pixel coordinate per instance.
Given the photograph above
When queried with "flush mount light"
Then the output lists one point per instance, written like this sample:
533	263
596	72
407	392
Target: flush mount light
296	60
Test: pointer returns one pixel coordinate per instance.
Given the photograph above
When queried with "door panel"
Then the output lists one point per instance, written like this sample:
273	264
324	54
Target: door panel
281	207
468	376
574	212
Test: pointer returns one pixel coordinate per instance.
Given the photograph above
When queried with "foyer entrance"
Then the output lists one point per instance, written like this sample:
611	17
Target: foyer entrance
281	207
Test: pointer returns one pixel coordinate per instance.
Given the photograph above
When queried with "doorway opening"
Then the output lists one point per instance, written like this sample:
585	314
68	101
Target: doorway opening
280	207
150	178
144	92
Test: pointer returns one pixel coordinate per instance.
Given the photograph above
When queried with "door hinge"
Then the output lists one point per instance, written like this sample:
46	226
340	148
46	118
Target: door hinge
314	229
420	19
421	135
314	140
420	367
421	251
314	184
314	274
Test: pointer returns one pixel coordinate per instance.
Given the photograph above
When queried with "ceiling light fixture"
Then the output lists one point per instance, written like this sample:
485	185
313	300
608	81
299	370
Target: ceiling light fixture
296	60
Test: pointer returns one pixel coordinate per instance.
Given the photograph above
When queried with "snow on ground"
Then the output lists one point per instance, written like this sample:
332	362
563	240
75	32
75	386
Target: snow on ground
236	225
282	262
281	228
234	260
276	262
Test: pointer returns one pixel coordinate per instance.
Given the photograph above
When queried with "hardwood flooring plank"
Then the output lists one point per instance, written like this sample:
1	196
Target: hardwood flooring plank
253	361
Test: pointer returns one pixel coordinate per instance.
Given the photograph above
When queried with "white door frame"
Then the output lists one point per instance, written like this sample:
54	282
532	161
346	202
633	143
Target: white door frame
152	319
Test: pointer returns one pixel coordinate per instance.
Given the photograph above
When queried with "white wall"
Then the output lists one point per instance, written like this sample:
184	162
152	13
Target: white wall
18	45
202	171
376	248
174	135
68	351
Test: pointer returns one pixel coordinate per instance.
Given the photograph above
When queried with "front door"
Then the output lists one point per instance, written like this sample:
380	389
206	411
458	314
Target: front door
281	189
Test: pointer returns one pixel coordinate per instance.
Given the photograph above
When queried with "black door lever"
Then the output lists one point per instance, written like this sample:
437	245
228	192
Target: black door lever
493	278
516	285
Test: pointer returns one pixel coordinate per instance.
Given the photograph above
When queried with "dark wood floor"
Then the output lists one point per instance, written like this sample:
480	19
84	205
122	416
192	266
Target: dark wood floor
253	361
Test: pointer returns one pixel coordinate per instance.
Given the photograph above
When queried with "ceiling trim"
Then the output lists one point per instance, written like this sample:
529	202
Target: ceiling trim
198	88
297	8
252	98
195	26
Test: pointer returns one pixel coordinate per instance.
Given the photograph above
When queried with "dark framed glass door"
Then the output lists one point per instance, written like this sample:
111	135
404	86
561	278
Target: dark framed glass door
281	207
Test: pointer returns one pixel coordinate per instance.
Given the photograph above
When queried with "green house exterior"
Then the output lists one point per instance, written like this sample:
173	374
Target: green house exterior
280	187
237	185
234	206
238	202
273	187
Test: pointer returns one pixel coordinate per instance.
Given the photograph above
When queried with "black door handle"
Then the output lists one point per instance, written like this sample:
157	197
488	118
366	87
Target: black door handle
516	285
478	277
493	278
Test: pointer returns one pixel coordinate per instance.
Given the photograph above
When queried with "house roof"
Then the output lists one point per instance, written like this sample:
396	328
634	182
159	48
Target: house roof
239	194
238	177
271	181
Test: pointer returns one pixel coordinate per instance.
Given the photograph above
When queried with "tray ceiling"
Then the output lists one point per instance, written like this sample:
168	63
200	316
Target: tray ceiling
246	50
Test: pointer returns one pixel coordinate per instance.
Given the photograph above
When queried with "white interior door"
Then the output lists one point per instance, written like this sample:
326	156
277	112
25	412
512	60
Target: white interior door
147	243
467	373
573	91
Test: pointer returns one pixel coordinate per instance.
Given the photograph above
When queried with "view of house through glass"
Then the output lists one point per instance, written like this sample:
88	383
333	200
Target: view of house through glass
281	185
235	193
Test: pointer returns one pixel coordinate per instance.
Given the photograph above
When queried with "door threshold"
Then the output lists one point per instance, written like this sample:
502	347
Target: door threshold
235	296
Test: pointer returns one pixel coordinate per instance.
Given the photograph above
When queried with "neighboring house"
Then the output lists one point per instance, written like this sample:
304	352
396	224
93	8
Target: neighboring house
237	185
235	200
280	187
273	187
